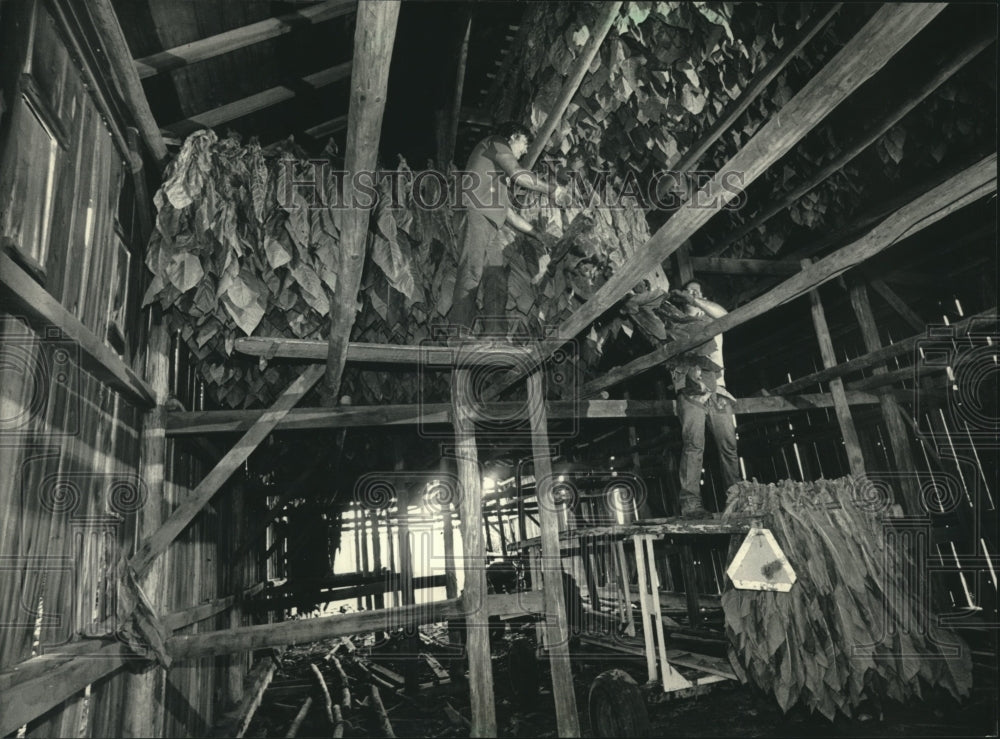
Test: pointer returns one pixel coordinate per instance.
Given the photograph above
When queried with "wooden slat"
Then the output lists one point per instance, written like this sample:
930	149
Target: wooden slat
952	195
757	85
724	266
889	29
374	35
557	620
186	423
580	68
872	358
126	78
880	380
443	357
237	38
889	295
327	128
156	544
344	624
259	101
852	444
43	311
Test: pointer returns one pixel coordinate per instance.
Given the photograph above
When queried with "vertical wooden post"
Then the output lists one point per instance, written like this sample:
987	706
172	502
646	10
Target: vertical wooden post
899	435
477	638
551	565
448	150
855	459
377	554
143	704
235	576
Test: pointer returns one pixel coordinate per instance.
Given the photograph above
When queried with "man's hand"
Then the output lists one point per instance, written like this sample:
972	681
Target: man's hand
543	267
682	296
561	196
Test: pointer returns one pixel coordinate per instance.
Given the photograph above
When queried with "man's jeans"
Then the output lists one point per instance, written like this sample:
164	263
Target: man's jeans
718	412
481	262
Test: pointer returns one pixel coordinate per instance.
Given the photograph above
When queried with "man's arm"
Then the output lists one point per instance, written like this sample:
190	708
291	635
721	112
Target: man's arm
519	175
518	223
712	310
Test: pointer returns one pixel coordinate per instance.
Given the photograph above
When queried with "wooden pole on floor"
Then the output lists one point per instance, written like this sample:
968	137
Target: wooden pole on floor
567	720
477	638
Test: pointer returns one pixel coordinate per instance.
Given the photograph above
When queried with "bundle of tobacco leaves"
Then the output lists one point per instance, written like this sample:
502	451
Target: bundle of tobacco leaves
857	624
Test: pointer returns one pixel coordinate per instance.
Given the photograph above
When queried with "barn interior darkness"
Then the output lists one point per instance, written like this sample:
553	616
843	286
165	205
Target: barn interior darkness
252	482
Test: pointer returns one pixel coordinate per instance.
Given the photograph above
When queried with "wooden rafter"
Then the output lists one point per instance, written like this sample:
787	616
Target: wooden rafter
952	195
259	101
580	68
723	266
186	423
327	128
42	310
374	35
238	38
181	516
897	304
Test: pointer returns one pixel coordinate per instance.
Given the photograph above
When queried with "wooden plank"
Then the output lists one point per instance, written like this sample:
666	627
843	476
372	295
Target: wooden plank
873	358
43	312
646	609
438	357
448	153
896	303
889	29
581	66
310	630
556	617
374	35
327	128
235	722
952	195
852	445
259	101
753	90
477	638
724	266
652	526
125	77
881	380
156	544
238	38
186	423
872	132
892	413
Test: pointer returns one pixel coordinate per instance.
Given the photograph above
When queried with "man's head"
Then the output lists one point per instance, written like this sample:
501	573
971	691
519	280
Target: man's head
516	135
693	288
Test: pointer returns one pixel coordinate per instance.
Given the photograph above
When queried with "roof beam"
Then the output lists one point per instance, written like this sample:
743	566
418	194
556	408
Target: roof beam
724	266
327	128
891	27
953	194
898	304
259	101
374	35
237	38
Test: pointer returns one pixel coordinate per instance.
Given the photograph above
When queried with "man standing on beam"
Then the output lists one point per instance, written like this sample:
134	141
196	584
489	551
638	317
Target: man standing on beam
700	381
492	167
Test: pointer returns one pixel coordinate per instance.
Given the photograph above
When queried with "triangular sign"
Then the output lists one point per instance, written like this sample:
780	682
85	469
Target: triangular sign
760	564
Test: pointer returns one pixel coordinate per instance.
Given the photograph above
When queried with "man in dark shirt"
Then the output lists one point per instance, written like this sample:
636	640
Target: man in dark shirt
492	167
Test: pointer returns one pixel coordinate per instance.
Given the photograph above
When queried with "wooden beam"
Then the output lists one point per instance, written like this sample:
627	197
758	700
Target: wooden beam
126	79
327	128
580	68
235	723
470	506
871	358
953	194
868	137
425	355
44	312
896	303
557	620
238	38
913	372
343	624
722	266
757	85
852	445
188	423
374	35
448	154
892	413
889	29
181	516
259	101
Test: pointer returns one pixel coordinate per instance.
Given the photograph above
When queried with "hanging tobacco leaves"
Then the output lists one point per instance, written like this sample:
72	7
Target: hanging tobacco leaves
857	623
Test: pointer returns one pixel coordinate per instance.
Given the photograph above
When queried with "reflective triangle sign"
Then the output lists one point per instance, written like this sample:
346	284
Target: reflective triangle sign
760	564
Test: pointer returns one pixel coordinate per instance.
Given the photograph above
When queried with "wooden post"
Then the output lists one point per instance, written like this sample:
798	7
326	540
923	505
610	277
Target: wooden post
551	566
477	638
448	151
143	706
852	445
376	553
374	35
899	434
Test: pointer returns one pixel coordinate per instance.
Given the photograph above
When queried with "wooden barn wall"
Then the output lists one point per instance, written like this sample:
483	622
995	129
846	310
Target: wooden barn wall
70	446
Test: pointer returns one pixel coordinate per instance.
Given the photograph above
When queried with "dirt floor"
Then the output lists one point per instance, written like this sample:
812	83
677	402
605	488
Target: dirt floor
440	708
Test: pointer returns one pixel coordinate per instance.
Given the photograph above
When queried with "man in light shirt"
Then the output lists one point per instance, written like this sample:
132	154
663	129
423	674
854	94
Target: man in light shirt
702	398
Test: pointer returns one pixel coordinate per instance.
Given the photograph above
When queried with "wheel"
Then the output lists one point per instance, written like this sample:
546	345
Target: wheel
617	707
523	670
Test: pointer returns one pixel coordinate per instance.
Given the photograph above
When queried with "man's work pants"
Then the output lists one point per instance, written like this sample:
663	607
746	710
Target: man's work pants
717	412
481	262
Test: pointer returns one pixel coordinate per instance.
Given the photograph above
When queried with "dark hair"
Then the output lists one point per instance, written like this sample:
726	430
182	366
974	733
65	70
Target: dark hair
688	284
509	129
